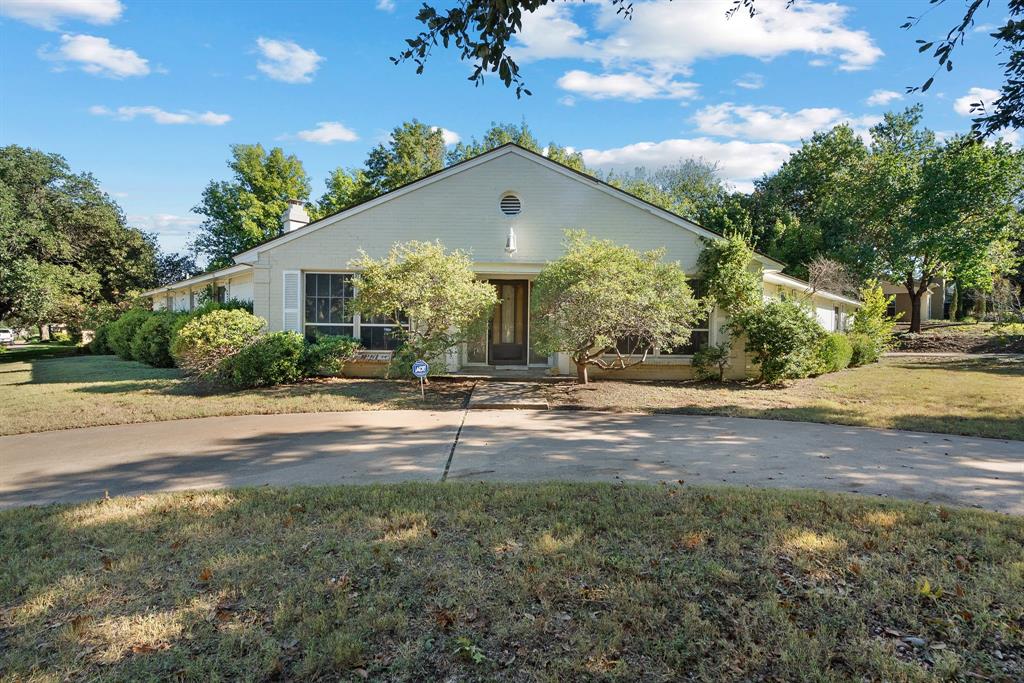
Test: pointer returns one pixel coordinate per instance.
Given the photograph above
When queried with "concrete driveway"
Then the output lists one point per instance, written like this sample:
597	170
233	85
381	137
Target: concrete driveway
385	446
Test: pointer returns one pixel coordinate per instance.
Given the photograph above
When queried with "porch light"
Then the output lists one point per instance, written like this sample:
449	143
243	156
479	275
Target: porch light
510	242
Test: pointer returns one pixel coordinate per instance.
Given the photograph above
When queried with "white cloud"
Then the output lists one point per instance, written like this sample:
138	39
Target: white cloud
739	162
567	101
628	86
670	37
287	61
172	229
327	133
450	136
772	123
987	96
386	5
161	116
750	81
98	56
48	14
1013	136
883	97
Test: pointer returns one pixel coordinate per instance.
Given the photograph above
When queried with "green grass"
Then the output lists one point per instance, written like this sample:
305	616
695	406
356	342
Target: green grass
974	397
83	391
26	352
525	582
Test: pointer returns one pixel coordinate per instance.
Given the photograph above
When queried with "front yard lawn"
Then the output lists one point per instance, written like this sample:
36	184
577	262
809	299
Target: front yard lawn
975	397
84	391
496	582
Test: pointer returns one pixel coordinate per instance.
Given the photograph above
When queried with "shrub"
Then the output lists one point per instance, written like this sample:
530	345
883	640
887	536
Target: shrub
203	343
270	359
710	362
327	355
863	349
100	344
121	332
833	353
782	335
61	337
152	343
871	319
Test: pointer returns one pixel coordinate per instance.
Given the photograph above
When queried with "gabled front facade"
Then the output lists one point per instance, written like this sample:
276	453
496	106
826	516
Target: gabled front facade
509	208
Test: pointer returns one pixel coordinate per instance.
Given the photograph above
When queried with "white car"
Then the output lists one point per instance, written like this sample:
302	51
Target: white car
6	336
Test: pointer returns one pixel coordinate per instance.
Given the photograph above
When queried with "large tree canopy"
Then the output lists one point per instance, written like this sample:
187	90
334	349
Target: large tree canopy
926	210
794	210
246	210
64	244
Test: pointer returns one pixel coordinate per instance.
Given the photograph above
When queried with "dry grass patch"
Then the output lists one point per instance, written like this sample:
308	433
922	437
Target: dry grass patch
519	583
974	397
85	391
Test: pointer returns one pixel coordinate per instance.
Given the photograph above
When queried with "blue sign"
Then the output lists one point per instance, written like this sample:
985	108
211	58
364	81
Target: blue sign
420	369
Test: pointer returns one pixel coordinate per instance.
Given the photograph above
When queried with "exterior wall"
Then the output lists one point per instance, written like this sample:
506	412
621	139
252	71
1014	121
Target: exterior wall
462	212
184	299
903	306
824	308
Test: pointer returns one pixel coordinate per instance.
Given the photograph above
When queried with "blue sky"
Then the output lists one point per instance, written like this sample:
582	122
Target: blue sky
149	95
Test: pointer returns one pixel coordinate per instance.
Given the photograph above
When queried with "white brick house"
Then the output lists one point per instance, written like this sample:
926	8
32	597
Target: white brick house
509	208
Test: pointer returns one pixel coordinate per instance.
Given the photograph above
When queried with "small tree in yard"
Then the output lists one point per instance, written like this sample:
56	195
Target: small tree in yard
435	290
600	295
871	319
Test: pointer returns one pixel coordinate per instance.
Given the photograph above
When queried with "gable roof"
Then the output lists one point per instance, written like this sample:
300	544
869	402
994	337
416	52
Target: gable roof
250	255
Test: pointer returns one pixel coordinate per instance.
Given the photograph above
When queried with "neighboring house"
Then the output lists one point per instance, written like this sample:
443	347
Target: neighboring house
509	208
934	302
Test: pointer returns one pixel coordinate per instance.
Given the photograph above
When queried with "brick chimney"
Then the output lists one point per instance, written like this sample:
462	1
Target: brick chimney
294	217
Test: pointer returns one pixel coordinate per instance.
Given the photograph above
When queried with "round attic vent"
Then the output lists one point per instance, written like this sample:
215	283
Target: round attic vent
510	205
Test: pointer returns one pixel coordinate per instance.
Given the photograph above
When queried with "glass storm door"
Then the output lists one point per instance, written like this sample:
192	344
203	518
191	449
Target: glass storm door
506	340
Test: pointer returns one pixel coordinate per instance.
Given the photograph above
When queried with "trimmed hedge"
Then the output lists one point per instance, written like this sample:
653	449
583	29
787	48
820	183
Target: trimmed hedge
782	336
864	349
327	354
274	358
122	331
202	345
152	342
833	353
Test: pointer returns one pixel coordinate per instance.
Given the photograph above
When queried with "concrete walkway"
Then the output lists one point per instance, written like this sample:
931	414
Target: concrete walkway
385	446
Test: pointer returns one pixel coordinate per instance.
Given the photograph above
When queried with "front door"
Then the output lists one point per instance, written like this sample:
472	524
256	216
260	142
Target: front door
506	338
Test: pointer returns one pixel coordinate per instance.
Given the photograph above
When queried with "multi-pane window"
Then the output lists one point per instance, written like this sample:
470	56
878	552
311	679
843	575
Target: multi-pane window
328	298
378	333
221	294
328	310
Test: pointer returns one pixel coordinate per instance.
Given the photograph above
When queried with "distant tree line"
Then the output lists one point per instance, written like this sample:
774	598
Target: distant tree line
67	253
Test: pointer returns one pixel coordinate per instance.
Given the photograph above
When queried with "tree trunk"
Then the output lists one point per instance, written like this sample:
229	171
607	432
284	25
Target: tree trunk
915	311
581	374
954	304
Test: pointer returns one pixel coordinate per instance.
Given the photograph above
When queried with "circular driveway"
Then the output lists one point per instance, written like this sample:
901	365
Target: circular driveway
387	446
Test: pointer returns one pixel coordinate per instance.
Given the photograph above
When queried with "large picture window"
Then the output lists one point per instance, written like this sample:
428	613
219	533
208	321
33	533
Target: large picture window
328	310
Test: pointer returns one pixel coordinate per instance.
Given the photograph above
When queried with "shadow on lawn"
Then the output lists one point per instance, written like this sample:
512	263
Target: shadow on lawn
296	573
1006	365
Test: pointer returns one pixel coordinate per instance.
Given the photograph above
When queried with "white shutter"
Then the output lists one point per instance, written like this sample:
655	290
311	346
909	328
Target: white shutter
290	310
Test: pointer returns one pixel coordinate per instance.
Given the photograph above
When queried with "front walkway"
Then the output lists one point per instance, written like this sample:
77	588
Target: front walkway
386	446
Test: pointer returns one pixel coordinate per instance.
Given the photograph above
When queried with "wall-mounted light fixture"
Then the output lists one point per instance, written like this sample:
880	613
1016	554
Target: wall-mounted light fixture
510	242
